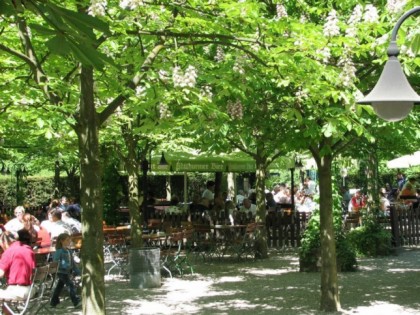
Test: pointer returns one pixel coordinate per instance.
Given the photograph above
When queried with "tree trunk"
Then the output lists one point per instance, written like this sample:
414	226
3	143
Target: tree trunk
329	283
87	129
261	237
372	179
134	202
218	184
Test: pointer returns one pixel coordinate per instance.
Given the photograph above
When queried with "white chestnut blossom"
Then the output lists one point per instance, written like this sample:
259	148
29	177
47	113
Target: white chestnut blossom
206	92
356	15
238	66
301	94
131	4
325	54
97	7
187	79
331	27
164	111
220	54
281	11
371	14
349	71
354	19
140	91
235	109
407	51
395	6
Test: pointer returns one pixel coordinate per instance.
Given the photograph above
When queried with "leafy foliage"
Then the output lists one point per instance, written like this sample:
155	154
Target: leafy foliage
309	252
371	239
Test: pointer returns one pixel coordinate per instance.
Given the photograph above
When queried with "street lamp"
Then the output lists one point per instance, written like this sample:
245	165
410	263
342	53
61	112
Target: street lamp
393	97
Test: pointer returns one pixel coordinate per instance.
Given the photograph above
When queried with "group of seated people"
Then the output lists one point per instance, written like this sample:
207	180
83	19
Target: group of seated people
43	233
409	194
242	208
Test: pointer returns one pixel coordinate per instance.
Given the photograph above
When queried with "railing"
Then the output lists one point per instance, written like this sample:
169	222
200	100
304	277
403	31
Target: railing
284	229
405	225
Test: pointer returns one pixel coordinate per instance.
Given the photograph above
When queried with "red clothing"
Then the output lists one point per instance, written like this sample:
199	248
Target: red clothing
18	262
357	202
44	235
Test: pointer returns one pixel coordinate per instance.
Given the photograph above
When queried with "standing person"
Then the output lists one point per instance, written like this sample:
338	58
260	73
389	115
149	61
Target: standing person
66	267
208	193
16	264
16	223
400	181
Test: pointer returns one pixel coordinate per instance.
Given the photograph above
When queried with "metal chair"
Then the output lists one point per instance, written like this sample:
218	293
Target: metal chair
35	296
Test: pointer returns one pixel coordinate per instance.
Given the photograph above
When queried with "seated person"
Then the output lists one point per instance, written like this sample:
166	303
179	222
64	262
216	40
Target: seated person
247	207
174	207
409	189
16	264
384	202
357	202
16	223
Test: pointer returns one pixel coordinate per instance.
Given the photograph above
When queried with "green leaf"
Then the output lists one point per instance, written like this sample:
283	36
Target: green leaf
328	129
83	20
6	8
58	45
87	55
40	122
42	30
415	45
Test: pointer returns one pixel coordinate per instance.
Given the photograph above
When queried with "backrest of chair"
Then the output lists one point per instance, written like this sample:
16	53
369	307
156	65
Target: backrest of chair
52	274
76	239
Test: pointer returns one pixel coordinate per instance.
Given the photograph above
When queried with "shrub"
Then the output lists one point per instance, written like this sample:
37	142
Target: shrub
310	250
371	239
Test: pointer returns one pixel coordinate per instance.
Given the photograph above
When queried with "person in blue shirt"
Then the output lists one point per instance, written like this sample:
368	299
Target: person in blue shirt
66	267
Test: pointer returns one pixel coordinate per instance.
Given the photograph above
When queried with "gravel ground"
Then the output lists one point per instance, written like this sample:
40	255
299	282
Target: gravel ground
388	285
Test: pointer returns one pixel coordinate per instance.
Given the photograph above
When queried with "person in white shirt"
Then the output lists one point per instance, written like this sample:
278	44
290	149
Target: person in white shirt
58	227
247	207
208	193
75	225
240	197
16	224
48	223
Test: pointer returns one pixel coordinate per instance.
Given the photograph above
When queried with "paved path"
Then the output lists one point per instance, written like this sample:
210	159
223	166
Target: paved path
382	286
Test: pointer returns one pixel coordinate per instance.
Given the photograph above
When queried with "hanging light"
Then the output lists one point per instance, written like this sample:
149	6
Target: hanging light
393	97
163	160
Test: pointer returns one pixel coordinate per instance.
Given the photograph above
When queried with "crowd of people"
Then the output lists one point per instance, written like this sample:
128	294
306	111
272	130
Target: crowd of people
242	207
21	236
406	191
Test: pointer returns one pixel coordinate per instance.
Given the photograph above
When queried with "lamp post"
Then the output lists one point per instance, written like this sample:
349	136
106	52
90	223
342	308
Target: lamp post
393	97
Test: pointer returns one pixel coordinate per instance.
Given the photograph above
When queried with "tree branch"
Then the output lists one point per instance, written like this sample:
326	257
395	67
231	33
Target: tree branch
119	100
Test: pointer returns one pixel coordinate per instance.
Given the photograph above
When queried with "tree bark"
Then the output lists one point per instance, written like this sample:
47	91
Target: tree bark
87	129
261	233
329	283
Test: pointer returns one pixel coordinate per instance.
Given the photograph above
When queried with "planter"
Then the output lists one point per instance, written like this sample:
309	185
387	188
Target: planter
144	268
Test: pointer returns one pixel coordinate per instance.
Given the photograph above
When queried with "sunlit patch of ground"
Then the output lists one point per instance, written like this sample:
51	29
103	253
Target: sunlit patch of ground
382	286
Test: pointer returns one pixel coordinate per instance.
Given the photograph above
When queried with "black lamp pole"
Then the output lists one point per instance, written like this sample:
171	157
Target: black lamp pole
292	192
145	169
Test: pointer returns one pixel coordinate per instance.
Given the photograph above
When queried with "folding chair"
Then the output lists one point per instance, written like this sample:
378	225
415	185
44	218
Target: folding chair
49	287
35	296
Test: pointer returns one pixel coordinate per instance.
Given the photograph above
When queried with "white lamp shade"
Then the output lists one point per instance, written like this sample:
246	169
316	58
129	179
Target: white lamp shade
392	111
393	97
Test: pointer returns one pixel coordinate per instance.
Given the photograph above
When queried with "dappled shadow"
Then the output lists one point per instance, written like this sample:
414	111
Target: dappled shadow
275	286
